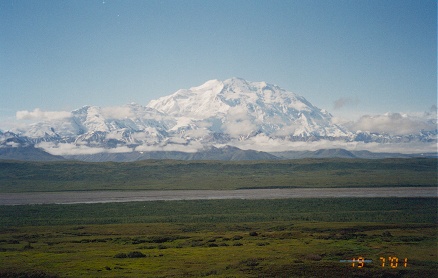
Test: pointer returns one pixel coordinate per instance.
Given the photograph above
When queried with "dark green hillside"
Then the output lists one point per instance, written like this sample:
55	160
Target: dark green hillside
369	210
169	174
29	153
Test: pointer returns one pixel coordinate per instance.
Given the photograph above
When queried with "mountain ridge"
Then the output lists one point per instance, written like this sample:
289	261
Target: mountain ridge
247	115
244	107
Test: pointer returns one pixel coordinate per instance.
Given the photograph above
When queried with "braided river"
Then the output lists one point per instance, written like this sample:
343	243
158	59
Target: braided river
75	197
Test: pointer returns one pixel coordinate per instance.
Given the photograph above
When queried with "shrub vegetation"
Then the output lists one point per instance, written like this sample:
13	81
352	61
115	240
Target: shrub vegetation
295	238
18	176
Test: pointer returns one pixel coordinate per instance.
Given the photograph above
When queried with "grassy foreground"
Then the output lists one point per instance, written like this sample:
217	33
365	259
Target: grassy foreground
169	174
221	238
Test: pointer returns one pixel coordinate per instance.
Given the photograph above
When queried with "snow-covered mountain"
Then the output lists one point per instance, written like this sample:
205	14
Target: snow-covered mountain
103	127
235	112
242	109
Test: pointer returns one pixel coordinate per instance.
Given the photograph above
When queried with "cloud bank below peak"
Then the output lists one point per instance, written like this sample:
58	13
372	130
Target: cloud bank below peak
235	112
39	115
394	123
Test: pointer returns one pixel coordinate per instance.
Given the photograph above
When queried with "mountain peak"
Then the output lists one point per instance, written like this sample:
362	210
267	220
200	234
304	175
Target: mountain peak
241	108
208	84
236	81
235	112
234	84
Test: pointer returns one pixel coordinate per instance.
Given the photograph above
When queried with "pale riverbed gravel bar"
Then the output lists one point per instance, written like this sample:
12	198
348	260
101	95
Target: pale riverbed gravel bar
72	197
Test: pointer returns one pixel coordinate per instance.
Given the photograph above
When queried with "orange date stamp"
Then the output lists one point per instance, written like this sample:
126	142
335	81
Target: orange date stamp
392	262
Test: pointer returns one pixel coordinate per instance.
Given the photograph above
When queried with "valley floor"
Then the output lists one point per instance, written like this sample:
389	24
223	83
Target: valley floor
222	238
74	197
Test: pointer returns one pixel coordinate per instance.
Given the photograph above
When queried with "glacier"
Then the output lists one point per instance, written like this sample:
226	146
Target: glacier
233	112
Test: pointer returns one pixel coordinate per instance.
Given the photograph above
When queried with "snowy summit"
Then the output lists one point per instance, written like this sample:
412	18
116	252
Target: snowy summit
234	112
240	108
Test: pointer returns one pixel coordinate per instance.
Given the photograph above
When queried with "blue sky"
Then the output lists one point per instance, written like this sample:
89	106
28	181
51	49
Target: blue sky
349	57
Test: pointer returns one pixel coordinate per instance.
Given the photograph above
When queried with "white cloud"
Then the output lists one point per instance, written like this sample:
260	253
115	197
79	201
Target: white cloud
117	112
72	149
406	148
13	144
197	133
238	122
286	130
38	114
237	128
264	143
391	123
191	147
204	124
259	143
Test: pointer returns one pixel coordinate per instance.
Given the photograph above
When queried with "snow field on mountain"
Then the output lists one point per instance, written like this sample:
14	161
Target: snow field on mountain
235	112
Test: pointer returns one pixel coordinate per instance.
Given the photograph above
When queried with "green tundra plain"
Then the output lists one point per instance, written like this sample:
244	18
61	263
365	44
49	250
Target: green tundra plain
170	174
220	238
